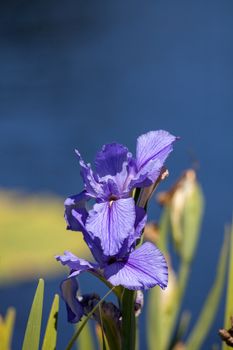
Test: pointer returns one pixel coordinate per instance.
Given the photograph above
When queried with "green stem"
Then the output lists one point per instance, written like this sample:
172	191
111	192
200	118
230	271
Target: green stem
75	336
128	321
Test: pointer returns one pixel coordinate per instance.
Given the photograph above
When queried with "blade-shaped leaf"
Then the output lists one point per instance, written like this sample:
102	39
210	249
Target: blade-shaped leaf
229	298
76	335
207	315
85	339
6	329
50	338
32	334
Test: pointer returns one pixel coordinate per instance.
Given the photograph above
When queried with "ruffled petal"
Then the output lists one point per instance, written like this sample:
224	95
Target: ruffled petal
109	161
145	268
76	203
91	184
112	222
153	149
75	310
77	265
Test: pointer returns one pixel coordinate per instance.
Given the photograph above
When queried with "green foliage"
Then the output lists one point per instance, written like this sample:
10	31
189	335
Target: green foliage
181	219
50	338
209	309
32	334
229	298
85	339
6	329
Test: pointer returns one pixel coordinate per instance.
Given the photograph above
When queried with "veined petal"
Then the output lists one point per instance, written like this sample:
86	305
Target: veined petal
152	150
77	203
92	186
112	222
77	265
145	268
75	311
109	161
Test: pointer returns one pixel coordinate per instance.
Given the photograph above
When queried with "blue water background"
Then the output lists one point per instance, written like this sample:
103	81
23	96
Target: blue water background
83	73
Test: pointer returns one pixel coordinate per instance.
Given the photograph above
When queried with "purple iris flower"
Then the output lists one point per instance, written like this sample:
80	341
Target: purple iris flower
142	268
111	184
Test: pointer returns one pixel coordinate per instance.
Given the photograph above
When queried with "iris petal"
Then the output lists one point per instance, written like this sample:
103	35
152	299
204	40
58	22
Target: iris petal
109	161
74	263
145	268
75	311
153	149
112	222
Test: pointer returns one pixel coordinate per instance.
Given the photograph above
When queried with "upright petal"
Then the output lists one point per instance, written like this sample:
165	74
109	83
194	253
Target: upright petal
92	186
109	161
77	265
145	268
112	222
152	150
75	311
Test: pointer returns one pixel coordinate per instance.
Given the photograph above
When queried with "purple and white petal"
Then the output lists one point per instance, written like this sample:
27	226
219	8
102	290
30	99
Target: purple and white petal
76	203
77	265
75	311
145	268
109	161
92	186
112	222
153	149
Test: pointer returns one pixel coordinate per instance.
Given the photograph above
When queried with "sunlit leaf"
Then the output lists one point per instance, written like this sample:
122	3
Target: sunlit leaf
6	329
209	309
80	329
50	338
229	298
85	339
32	334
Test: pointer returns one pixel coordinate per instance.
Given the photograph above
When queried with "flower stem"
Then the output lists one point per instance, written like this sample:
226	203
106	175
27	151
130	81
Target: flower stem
128	320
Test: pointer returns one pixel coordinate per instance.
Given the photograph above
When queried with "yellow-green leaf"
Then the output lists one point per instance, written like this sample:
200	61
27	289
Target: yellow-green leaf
207	315
50	338
32	334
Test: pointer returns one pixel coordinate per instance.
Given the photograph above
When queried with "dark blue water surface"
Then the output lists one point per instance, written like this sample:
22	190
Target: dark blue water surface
85	72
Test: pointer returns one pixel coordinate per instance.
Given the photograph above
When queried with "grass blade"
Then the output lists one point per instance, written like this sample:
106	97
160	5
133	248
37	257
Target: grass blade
32	334
50	338
229	298
207	315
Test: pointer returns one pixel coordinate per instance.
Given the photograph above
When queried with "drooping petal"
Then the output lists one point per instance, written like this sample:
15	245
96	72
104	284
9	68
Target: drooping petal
112	222
77	203
77	265
109	161
75	311
145	268
153	149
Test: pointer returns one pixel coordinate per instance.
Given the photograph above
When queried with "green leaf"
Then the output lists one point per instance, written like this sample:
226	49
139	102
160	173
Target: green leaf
207	315
50	338
76	335
85	339
128	320
192	216
6	329
32	334
229	298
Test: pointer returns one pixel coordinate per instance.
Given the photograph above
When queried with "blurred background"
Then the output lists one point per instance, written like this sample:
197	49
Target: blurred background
82	73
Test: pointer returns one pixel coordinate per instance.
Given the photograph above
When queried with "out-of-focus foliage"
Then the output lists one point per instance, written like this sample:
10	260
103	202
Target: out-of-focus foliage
180	222
33	231
6	329
229	299
32	333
